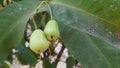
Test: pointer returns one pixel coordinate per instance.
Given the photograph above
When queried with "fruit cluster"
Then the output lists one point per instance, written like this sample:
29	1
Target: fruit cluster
40	40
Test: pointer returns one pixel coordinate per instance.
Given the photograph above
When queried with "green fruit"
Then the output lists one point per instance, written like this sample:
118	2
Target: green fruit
51	30
38	41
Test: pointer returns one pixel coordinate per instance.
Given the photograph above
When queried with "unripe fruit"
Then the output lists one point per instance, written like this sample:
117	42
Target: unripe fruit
51	30
38	41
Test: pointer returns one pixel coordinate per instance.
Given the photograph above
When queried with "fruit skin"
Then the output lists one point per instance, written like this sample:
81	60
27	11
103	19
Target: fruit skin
38	41
51	30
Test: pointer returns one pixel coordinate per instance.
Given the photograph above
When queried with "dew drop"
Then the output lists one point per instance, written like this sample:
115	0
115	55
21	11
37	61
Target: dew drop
110	32
20	8
111	6
91	30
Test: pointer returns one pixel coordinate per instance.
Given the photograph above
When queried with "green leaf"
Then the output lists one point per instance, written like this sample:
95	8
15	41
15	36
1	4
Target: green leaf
70	62
26	56
9	57
90	51
82	21
48	64
107	10
13	19
88	31
1	2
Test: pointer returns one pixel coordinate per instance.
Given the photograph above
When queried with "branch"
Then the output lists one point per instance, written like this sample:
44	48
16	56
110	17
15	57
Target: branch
60	53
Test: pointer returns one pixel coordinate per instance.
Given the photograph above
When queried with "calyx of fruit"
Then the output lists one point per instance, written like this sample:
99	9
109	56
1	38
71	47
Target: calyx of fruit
51	30
38	41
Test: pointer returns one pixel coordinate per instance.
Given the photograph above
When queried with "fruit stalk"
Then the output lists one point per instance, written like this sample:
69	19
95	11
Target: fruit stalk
50	10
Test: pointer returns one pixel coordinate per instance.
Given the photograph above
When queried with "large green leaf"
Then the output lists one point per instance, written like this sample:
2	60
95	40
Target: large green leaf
0	1
13	19
48	64
86	22
26	56
88	30
106	10
70	62
90	51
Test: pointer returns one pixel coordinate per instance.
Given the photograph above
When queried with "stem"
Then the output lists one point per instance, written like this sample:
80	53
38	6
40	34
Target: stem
49	10
60	53
36	10
34	23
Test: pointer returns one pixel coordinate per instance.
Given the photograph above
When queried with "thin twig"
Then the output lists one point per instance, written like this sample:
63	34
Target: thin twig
60	53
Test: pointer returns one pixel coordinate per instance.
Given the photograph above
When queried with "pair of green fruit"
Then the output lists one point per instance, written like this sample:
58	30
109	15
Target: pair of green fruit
39	40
